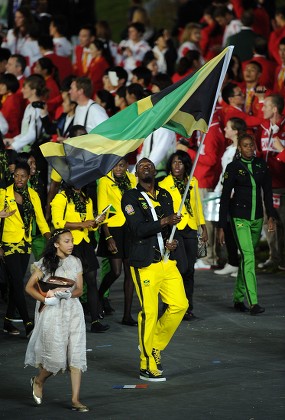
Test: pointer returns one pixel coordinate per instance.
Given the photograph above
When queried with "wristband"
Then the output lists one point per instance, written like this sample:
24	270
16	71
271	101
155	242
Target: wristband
108	237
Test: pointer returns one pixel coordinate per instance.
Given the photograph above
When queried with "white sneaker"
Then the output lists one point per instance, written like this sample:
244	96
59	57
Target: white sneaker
266	264
200	265
234	274
228	269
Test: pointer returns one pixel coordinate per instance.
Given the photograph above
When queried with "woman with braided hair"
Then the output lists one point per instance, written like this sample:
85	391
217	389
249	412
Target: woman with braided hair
114	239
179	167
72	209
37	184
16	241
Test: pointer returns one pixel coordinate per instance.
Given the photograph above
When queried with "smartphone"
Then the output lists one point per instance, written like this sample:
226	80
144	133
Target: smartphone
103	212
113	78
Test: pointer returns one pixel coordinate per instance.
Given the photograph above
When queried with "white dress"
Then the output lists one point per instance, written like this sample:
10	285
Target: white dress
59	337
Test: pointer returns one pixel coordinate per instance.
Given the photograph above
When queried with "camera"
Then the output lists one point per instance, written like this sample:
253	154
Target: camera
38	104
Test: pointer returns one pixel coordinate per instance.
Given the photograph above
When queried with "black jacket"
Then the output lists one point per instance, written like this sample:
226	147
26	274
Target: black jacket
248	179
142	227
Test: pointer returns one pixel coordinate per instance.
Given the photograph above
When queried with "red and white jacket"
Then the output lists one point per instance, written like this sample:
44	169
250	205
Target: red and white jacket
266	150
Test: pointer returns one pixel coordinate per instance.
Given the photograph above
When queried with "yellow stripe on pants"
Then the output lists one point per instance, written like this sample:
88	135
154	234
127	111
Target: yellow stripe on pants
160	278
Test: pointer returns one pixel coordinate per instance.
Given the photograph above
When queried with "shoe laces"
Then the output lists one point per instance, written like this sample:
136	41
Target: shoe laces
156	356
155	372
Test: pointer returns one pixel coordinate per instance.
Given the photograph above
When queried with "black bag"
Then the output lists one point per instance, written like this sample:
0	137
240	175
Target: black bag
201	248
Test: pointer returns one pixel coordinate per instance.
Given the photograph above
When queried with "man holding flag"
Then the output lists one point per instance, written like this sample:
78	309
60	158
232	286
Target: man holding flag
186	106
149	214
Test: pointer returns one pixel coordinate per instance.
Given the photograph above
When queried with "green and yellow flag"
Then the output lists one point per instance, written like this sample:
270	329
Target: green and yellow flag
183	107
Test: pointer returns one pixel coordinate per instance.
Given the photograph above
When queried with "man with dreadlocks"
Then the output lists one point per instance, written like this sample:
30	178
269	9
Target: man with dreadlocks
148	210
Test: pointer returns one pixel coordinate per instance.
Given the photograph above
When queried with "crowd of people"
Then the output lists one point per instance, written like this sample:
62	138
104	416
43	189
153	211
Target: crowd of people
52	89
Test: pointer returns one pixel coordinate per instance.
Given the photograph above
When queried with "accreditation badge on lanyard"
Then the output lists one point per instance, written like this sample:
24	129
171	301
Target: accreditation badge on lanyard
276	200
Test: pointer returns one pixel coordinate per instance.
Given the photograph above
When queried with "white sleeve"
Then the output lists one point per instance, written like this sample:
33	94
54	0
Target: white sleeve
10	41
96	115
4	127
28	137
163	143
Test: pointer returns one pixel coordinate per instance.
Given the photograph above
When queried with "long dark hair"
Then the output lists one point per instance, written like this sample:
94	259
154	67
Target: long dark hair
69	192
50	257
185	159
105	50
46	64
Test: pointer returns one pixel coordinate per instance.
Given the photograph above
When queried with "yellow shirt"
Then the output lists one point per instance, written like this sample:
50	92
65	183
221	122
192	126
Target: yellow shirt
195	201
109	193
14	230
63	211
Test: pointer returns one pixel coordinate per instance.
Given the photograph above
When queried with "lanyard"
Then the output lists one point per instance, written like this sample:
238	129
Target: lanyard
155	218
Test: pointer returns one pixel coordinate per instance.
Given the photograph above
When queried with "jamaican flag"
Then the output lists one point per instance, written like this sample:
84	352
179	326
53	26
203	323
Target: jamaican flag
183	107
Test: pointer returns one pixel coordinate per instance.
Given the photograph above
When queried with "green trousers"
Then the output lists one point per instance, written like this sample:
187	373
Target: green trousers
38	246
247	235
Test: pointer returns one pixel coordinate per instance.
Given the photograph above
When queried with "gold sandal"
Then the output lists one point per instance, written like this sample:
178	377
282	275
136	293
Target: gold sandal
80	408
38	400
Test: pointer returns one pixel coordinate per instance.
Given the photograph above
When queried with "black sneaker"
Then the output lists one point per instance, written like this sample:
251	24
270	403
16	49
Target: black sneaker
10	328
151	375
157	357
240	307
256	309
97	327
107	307
189	316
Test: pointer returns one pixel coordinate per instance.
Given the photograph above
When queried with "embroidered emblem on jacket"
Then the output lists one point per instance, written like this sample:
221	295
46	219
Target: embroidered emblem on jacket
129	209
241	172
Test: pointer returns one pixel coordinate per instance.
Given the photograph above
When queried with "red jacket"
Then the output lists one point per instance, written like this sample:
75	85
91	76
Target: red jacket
273	43
63	65
211	40
230	111
281	156
77	67
269	153
96	72
23	102
261	22
209	167
11	110
54	96
176	77
268	70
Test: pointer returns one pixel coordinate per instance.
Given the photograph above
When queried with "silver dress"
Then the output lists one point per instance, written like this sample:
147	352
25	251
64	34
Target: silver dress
59	337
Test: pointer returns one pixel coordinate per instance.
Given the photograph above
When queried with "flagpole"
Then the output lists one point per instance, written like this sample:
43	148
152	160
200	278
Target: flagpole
223	72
